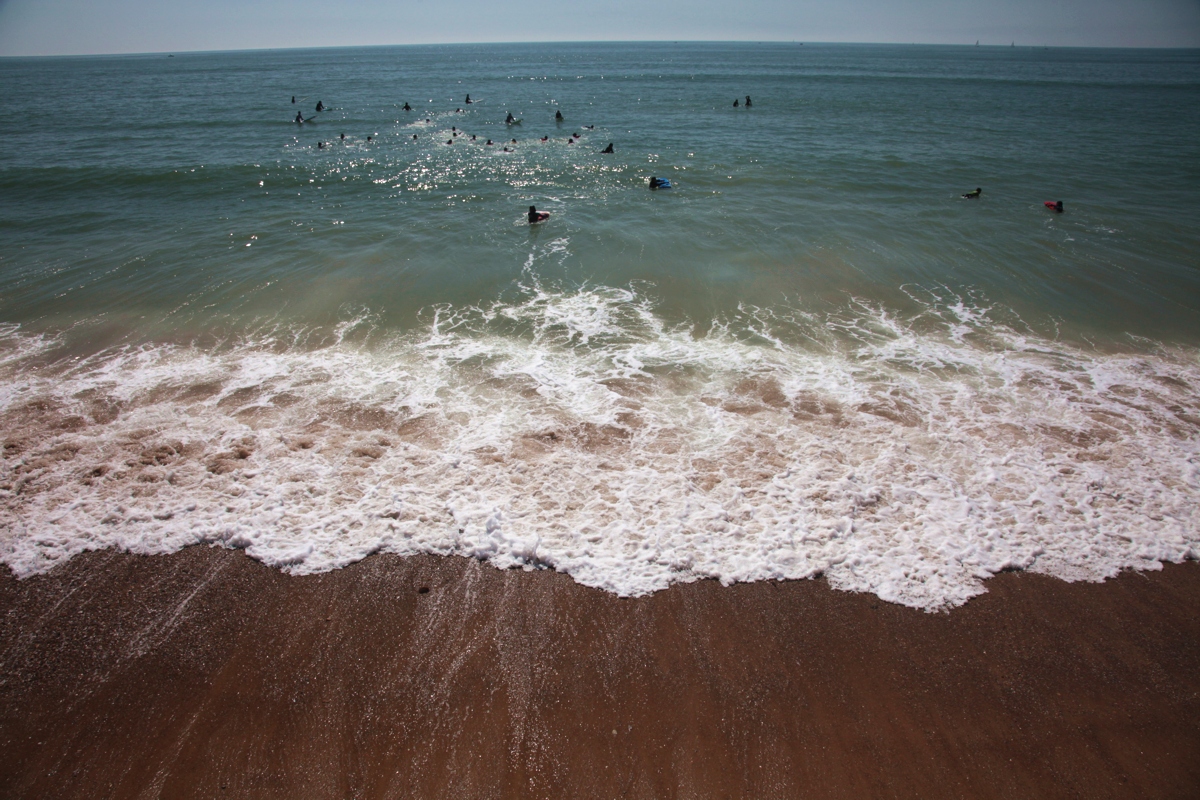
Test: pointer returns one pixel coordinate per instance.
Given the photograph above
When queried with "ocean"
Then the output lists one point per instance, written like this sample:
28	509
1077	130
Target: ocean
810	356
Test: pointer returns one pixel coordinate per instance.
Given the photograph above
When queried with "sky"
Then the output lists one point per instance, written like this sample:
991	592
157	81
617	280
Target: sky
77	27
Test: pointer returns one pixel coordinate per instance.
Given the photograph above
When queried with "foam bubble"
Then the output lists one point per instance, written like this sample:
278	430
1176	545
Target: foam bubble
579	431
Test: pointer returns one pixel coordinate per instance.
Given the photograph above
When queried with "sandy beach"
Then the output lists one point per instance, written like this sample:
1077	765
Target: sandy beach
206	674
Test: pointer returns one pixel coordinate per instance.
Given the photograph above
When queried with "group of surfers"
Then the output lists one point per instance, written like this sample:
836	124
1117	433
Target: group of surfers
1054	205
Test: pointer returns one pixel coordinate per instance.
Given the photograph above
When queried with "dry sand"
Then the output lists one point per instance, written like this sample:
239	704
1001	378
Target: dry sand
205	674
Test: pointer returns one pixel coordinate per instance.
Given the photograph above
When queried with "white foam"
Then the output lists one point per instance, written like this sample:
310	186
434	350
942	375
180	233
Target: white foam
579	431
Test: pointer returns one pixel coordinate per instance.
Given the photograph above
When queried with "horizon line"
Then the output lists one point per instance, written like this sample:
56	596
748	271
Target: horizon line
797	42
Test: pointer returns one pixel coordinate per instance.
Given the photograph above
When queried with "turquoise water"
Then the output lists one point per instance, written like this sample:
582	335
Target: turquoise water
811	355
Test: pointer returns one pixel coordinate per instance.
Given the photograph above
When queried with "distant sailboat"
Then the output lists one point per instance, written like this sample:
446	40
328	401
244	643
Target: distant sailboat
977	43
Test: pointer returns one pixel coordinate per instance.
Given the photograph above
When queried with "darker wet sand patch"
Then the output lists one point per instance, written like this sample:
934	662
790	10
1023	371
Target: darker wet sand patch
205	674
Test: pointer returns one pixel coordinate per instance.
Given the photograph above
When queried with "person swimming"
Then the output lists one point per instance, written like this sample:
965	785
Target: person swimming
1054	205
414	137
320	106
608	149
558	117
368	138
974	194
545	138
589	127
489	141
537	216
407	107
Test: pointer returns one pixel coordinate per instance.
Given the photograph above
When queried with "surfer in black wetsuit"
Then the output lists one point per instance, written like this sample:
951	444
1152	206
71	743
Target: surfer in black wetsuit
320	106
407	107
510	119
468	99
299	118
608	149
735	103
293	99
973	195
748	101
653	182
558	117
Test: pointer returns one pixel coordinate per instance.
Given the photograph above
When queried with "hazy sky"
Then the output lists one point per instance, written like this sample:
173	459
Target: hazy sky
61	27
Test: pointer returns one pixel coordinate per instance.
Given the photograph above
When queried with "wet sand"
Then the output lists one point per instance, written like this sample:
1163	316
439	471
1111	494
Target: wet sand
205	674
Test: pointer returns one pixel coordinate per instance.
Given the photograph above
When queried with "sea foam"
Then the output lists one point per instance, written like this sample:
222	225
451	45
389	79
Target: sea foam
578	430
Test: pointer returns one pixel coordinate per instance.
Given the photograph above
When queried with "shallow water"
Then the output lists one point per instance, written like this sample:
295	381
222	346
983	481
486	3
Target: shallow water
809	356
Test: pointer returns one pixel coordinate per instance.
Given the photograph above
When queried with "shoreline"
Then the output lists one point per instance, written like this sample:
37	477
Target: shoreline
204	673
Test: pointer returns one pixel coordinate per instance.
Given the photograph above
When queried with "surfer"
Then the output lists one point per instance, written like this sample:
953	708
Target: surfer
558	117
748	104
537	216
735	103
320	106
468	99
343	137
510	119
653	182
1054	205
407	107
293	99
973	195
299	118
608	149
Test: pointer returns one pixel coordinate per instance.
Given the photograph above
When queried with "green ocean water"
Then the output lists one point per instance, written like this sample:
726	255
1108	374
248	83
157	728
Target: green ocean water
810	355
